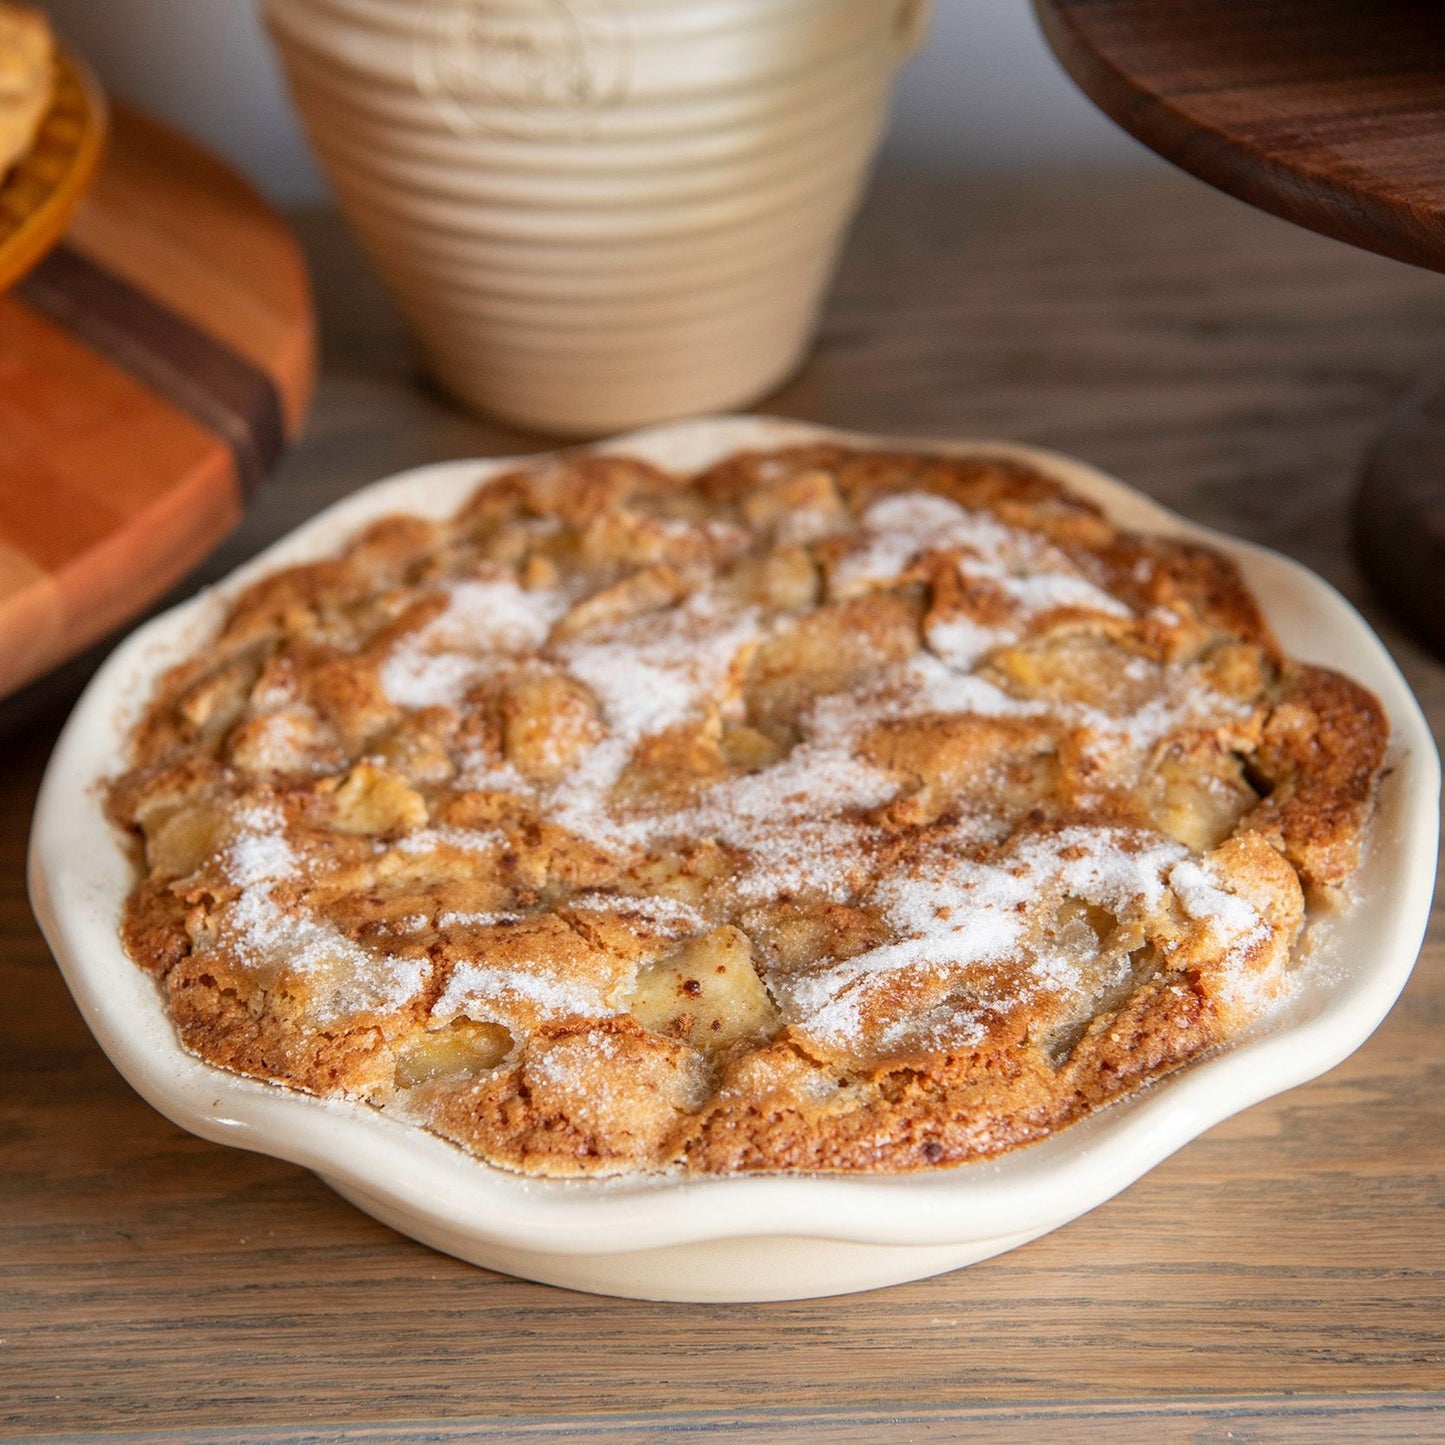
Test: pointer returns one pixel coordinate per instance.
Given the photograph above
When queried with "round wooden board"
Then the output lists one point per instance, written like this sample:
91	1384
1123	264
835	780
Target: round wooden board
153	366
1330	113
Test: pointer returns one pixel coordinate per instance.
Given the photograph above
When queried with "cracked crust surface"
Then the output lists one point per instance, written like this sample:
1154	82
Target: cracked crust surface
829	810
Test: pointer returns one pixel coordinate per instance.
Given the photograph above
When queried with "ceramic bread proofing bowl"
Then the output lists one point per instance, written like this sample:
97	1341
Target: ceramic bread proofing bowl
596	216
732	1238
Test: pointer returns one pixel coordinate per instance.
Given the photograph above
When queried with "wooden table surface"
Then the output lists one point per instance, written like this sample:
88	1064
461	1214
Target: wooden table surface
1281	1278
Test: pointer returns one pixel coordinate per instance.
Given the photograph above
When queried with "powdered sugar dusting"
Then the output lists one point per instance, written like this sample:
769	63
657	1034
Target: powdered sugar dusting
1233	919
489	993
438	663
1020	570
650	674
344	979
895	531
961	642
1034	575
669	915
969	898
259	852
653	672
798	824
468	840
957	913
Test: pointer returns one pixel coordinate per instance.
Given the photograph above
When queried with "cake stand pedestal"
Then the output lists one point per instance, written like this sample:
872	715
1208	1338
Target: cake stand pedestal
1331	114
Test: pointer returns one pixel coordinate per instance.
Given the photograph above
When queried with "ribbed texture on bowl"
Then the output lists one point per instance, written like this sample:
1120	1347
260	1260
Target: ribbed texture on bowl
599	215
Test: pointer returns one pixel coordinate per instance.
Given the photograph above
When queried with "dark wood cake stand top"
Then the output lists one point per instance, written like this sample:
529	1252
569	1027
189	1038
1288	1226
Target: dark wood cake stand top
1330	113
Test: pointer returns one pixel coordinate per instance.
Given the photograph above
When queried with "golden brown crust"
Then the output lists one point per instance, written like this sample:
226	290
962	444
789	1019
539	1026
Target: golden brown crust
1321	750
259	1035
831	810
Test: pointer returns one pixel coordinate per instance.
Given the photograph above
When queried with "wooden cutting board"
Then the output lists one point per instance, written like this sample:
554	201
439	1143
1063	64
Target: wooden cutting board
152	368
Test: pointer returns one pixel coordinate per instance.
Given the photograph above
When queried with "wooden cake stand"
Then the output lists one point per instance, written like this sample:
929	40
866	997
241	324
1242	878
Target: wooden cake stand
1329	113
152	367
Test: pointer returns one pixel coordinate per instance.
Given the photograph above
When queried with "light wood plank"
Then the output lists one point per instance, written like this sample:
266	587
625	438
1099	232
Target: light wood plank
90	444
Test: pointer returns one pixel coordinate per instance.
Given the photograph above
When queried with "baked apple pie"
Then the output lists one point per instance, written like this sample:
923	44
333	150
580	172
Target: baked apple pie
831	809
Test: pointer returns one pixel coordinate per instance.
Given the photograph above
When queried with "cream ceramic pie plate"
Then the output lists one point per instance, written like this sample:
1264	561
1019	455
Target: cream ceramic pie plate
737	1238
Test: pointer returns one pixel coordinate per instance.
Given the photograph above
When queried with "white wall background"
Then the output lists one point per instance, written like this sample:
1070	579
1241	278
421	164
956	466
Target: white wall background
984	93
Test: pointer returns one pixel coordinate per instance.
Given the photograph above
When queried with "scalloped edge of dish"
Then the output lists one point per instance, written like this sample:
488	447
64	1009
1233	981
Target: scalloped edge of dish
665	1237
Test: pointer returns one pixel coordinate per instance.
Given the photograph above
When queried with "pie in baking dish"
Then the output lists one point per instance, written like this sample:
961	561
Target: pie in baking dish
831	809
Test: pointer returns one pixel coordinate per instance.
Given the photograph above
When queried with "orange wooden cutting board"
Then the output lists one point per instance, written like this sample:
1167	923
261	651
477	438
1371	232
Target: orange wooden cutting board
152	368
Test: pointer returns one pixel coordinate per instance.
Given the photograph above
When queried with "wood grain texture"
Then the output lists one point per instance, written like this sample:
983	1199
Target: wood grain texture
182	226
1330	113
1282	1278
112	484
